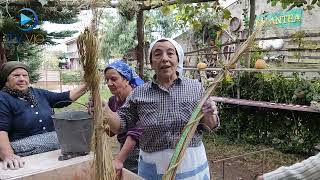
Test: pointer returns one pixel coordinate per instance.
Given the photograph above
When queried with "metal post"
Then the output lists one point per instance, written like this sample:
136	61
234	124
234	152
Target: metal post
60	74
263	160
222	170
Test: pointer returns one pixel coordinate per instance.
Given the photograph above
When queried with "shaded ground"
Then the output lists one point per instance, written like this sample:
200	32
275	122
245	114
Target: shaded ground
243	167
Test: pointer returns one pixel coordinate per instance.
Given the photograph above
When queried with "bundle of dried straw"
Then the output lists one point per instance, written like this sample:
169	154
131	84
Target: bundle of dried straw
88	52
196	116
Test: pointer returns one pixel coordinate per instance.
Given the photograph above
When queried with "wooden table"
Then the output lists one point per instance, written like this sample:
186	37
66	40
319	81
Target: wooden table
46	166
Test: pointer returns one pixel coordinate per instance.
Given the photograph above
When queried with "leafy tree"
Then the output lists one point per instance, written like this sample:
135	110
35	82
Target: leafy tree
296	3
51	58
204	20
10	23
61	34
158	25
19	45
118	35
200	14
29	54
138	8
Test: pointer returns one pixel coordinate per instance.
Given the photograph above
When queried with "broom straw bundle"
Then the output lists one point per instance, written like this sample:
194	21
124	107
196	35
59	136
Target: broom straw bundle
196	116
88	52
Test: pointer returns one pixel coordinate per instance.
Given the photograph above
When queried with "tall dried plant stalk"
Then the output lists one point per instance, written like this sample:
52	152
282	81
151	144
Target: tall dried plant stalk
88	52
196	116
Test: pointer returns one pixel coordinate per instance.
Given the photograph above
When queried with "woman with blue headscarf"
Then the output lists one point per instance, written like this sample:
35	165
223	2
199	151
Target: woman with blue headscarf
121	79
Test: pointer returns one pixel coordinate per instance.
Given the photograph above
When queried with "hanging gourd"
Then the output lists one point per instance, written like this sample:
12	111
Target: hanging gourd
201	65
260	64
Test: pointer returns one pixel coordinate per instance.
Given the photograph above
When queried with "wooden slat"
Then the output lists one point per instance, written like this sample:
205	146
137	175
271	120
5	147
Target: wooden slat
292	107
258	70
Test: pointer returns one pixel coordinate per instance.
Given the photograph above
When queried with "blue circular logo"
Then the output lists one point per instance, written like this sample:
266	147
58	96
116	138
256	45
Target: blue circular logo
28	23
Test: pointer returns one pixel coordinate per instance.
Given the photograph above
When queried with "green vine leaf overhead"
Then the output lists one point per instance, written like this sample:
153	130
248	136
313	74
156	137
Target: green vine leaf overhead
226	14
296	3
199	14
128	8
166	10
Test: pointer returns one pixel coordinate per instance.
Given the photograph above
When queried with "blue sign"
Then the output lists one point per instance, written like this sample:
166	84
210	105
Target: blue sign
28	23
282	19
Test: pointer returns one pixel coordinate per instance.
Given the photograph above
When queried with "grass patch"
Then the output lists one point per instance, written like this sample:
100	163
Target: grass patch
219	147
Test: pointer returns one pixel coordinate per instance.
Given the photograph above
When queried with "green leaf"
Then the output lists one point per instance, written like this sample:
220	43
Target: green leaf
165	10
226	14
189	9
309	7
197	25
224	26
206	5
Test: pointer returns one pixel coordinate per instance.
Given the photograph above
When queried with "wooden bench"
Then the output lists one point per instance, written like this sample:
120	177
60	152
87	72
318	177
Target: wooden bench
46	166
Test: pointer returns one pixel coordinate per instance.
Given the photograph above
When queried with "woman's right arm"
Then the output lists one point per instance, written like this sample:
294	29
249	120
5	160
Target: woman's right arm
108	115
127	113
126	149
112	118
7	155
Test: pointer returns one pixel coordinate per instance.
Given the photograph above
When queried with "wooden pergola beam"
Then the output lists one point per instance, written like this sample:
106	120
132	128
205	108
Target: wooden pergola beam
316	70
264	104
171	2
86	4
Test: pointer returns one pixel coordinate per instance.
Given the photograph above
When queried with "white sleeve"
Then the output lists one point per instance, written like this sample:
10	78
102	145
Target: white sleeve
307	169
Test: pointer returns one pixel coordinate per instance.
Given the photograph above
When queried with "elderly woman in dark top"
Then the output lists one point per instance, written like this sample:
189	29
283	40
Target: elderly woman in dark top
26	126
162	108
121	79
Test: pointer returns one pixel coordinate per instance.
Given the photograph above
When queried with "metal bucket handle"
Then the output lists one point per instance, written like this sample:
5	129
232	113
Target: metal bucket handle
67	101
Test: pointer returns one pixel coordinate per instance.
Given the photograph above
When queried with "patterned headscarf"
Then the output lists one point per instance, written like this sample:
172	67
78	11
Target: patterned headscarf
126	71
179	50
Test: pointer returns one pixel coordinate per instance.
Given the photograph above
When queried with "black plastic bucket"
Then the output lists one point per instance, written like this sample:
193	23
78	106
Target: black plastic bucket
74	130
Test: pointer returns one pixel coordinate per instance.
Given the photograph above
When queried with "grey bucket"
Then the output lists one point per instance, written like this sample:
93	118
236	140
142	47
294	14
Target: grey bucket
74	130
